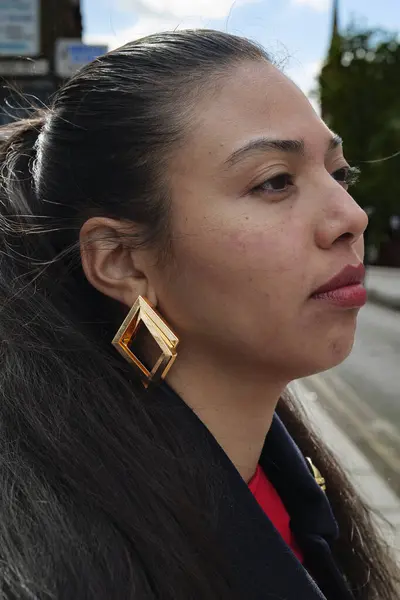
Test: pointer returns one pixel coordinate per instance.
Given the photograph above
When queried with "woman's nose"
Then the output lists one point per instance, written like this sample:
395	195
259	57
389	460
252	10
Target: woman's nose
342	219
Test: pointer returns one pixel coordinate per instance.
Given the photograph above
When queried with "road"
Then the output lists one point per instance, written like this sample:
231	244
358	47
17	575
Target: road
363	393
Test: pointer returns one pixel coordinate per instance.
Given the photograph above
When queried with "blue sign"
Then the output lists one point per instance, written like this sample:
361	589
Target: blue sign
81	54
72	54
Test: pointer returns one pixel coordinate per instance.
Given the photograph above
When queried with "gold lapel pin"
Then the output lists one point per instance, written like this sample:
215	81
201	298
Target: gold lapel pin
317	475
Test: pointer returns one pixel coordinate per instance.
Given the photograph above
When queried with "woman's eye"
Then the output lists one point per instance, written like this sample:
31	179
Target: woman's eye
279	183
346	175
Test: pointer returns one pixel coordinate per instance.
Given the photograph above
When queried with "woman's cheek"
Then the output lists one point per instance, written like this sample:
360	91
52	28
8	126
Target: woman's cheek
272	248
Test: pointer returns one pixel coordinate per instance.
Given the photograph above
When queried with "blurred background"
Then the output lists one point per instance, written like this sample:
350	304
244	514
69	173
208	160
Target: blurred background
345	55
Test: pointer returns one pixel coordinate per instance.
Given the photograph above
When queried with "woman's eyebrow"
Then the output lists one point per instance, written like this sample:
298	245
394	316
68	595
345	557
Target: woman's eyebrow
267	144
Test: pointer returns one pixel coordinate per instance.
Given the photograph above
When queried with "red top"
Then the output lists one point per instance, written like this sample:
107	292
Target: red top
269	500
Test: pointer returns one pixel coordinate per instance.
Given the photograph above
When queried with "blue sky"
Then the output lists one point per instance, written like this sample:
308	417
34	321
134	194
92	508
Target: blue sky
296	30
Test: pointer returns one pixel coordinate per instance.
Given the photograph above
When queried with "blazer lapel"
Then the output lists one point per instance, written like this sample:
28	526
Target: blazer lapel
265	567
312	520
292	477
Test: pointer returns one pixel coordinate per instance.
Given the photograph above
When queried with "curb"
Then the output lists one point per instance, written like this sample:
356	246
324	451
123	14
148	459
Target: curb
376	297
370	485
383	286
357	465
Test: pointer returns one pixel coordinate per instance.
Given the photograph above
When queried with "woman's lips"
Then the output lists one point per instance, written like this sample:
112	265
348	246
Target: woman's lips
349	296
344	289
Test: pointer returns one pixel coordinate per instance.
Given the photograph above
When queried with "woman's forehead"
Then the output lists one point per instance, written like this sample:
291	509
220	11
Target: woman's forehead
255	100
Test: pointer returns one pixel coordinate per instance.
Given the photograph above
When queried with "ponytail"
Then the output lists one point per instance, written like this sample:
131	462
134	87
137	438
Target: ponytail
80	516
17	153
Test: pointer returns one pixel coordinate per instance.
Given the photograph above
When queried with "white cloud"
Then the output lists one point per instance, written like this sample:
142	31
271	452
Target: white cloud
210	9
162	15
319	5
144	26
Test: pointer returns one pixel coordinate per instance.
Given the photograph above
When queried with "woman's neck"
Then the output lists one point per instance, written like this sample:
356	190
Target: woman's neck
234	402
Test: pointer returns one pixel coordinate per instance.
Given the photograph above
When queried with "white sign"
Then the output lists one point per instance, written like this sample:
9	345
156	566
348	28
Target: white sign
19	28
24	67
71	55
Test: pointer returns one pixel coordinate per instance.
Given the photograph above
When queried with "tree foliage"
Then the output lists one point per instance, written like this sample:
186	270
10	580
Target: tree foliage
359	90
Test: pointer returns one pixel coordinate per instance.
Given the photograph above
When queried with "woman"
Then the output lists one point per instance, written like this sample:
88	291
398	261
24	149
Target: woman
184	187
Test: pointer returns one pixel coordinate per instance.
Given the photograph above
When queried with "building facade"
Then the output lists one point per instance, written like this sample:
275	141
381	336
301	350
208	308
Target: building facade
29	34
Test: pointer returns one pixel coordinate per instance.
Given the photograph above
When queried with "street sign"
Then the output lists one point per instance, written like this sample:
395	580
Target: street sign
19	28
71	55
22	68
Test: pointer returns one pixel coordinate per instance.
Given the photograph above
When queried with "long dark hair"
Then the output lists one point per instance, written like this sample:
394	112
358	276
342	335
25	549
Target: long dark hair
98	499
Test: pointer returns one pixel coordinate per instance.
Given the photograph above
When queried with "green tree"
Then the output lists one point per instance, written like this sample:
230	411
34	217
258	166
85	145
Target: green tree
359	91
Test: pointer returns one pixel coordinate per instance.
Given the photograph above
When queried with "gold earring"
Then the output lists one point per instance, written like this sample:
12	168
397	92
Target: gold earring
143	314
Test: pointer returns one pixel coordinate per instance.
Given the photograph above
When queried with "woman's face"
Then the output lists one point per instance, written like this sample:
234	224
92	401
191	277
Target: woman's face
256	232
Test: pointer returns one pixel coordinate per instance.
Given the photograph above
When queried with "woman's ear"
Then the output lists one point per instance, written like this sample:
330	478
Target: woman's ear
109	263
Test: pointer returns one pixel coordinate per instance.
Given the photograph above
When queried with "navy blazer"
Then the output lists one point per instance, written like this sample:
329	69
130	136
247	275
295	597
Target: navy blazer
265	566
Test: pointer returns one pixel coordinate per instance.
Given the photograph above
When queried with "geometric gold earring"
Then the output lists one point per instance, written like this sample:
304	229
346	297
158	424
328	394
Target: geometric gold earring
142	314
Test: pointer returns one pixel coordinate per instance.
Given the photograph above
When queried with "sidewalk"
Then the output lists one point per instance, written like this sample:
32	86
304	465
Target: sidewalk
383	286
372	488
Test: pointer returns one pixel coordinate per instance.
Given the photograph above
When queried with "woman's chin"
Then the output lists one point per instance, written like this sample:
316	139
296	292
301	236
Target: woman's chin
326	357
